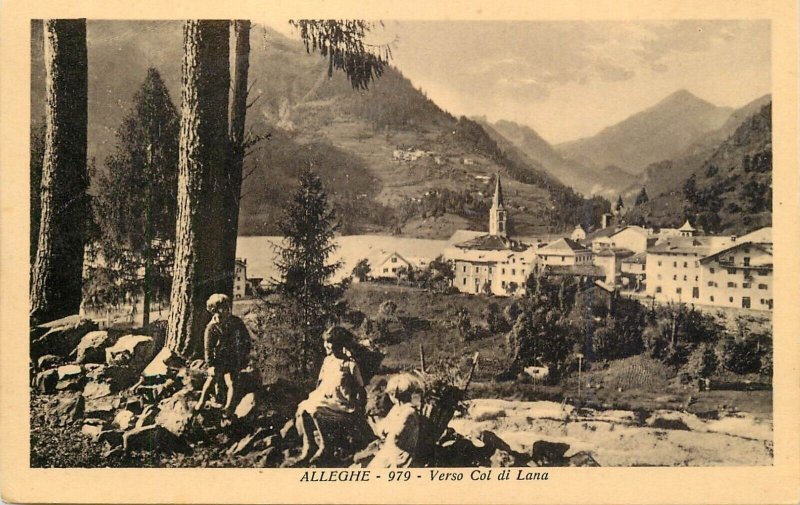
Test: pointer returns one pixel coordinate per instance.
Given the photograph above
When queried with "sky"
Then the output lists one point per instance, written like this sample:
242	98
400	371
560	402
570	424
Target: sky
570	79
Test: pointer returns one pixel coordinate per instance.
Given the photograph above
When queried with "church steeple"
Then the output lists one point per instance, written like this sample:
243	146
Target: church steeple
498	215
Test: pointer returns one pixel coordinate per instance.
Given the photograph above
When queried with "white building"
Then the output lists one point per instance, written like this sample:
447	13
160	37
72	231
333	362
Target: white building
388	265
491	263
240	279
564	252
721	271
578	234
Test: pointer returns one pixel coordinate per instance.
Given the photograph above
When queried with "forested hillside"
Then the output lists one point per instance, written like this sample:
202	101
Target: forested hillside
731	190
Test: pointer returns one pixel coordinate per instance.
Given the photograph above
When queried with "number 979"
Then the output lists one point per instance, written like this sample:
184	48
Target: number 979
401	476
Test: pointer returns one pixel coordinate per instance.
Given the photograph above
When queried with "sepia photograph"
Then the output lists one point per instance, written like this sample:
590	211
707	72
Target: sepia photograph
386	248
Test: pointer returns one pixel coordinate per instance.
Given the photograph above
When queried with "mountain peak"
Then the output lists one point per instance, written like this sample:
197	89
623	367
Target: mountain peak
684	96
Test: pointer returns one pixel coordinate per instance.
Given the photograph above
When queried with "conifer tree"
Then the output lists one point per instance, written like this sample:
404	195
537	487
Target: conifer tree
642	197
312	299
136	203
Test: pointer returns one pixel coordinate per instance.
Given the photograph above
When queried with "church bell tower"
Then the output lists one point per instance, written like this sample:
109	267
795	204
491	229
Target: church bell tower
498	216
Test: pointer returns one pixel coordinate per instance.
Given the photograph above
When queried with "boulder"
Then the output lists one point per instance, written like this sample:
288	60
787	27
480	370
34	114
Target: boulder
48	361
70	384
247	406
94	371
92	431
95	389
154	392
153	438
132	351
165	364
135	405
175	414
66	410
124	419
92	347
60	337
101	408
120	376
45	382
148	417
111	437
582	458
545	453
66	372
501	458
246	443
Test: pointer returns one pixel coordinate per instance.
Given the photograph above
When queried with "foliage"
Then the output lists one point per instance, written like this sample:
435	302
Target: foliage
136	203
439	275
343	43
642	197
703	361
739	356
310	300
362	270
495	320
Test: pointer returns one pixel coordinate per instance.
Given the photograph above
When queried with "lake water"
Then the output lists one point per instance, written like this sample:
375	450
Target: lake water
260	252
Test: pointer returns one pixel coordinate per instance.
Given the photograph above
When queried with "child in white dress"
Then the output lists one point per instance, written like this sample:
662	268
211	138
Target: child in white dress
399	430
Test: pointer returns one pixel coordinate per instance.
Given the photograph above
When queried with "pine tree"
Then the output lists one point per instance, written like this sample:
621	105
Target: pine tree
137	202
642	197
202	157
56	277
36	161
312	300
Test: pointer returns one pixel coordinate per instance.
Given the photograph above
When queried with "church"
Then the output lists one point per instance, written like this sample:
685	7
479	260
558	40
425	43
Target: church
492	263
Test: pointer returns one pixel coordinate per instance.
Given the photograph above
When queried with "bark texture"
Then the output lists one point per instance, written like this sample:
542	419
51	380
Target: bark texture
202	159
56	278
237	112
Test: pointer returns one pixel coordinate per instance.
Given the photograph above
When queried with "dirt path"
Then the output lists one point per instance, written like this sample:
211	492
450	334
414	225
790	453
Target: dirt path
619	438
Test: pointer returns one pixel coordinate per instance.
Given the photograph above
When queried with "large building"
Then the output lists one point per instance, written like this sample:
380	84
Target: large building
492	263
240	279
723	271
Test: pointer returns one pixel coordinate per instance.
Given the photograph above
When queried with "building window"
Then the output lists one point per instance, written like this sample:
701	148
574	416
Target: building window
678	290
731	284
762	286
675	277
465	281
477	269
696	264
464	268
746	261
658	276
747	250
394	270
730	299
746	285
659	262
685	265
658	289
712	270
696	278
711	298
503	271
710	284
513	271
763	272
675	264
562	259
394	259
731	270
503	284
695	292
385	270
490	269
745	302
684	277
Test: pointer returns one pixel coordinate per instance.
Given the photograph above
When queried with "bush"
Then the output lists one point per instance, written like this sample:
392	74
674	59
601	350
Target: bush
739	356
703	362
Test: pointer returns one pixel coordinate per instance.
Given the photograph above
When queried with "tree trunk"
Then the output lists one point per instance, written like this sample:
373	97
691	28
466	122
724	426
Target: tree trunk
147	288
202	158
236	120
56	279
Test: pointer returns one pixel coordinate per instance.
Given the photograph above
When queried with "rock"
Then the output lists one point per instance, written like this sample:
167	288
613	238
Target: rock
132	351
135	405
94	389
667	420
148	417
153	438
59	337
247	443
45	382
486	413
175	414
110	437
582	458
493	442
120	377
102	408
246	407
70	384
155	392
94	371
113	452
545	453
124	419
69	372
48	361
67	409
501	458
92	431
165	364
92	347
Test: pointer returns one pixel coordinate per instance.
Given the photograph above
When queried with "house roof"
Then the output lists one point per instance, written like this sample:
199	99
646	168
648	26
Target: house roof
460	236
602	232
492	243
698	246
640	258
686	227
586	270
767	248
562	244
762	235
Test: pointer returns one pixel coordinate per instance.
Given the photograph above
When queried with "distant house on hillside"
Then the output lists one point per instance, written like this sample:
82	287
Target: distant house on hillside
578	233
388	265
564	252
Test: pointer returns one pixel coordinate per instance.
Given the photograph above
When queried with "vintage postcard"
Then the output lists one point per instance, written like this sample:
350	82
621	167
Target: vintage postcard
465	252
